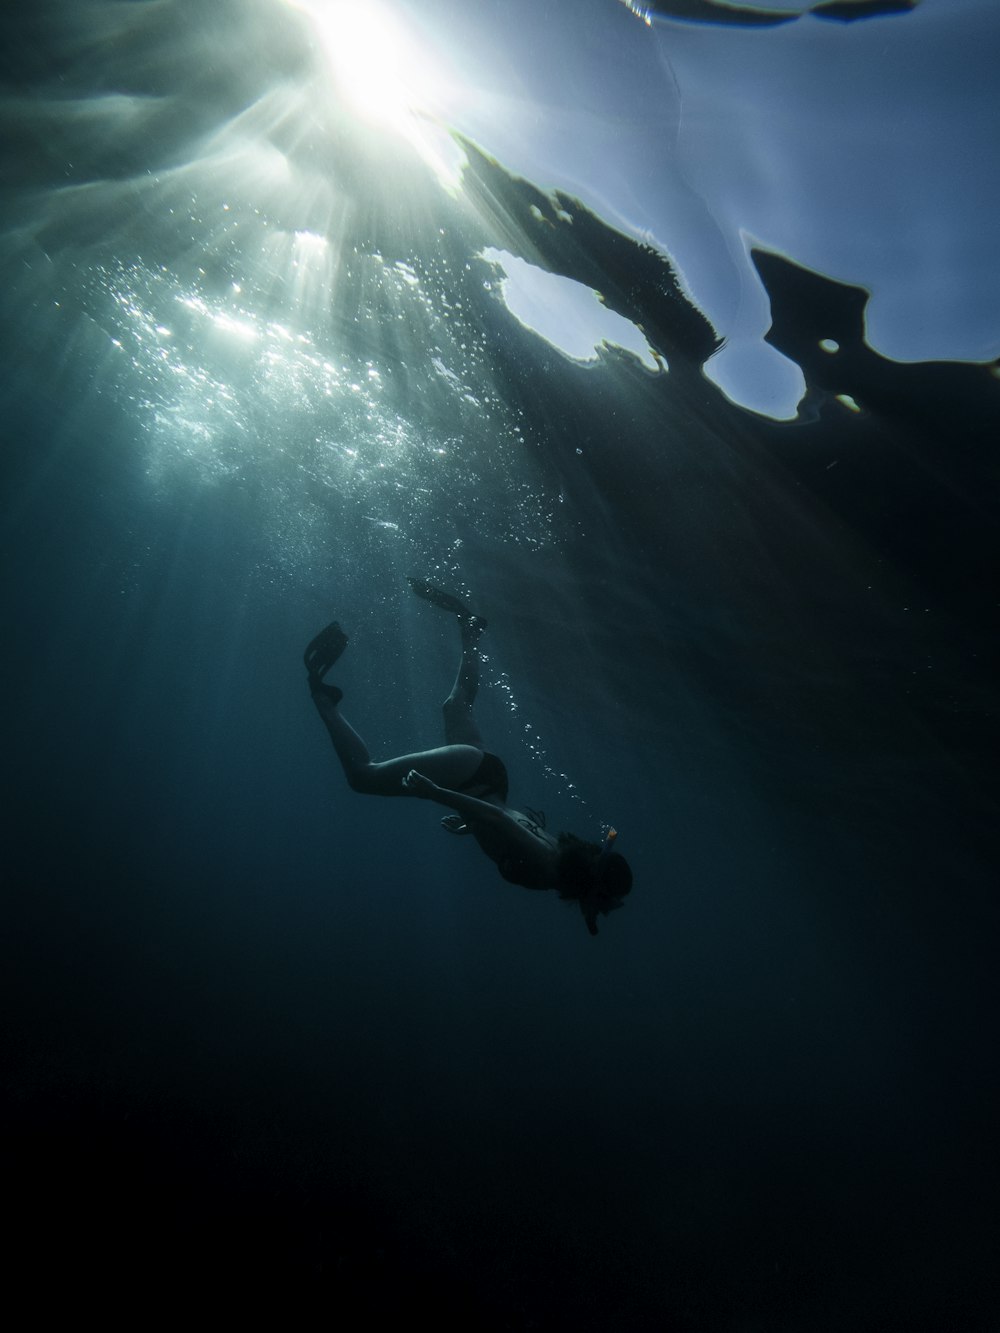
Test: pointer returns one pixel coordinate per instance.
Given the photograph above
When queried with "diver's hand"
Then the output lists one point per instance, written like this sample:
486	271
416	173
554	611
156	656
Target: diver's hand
417	785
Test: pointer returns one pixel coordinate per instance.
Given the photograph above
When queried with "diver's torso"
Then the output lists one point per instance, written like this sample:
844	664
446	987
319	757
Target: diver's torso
515	862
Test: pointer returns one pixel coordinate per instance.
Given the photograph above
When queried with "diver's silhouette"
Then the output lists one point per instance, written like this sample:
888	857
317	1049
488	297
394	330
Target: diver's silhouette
471	781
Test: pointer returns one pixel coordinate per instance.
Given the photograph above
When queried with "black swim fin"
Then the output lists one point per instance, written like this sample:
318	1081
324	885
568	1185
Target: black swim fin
324	650
447	601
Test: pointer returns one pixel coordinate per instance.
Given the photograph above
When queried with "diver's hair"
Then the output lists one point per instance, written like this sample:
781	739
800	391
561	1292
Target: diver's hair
575	867
582	868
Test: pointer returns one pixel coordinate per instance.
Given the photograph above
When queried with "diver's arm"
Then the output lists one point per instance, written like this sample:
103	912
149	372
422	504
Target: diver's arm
467	806
518	842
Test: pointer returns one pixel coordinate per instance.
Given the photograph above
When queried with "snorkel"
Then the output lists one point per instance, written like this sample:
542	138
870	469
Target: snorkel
609	845
607	871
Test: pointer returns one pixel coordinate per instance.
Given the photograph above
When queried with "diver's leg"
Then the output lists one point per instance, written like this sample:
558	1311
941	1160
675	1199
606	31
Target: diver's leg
449	766
459	723
460	726
351	749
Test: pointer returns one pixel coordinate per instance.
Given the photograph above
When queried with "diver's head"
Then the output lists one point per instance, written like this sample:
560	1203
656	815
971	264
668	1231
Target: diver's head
596	877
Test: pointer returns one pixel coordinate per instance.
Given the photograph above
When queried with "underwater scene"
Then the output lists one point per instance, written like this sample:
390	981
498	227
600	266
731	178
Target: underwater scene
637	362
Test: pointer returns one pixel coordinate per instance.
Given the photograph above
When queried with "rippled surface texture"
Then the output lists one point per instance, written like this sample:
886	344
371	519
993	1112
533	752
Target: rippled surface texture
668	335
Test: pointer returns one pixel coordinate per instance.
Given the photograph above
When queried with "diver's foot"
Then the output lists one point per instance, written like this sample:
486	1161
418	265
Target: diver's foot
447	601
471	627
324	695
322	652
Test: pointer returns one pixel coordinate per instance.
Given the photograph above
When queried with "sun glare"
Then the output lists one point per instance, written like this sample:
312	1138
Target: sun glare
386	75
369	52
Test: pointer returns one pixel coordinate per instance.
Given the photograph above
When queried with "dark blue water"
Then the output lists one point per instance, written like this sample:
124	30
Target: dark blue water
271	1046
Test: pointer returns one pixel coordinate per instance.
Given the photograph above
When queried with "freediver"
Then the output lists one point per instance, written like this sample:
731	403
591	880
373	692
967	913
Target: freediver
471	781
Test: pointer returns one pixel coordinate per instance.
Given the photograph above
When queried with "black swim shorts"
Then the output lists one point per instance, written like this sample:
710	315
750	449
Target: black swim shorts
489	779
